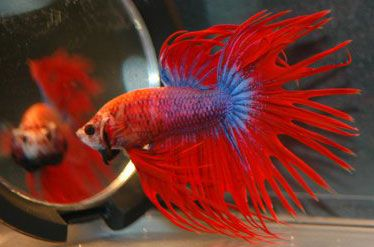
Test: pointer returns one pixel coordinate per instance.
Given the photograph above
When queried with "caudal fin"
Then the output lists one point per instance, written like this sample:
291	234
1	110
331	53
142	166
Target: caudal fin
198	182
65	81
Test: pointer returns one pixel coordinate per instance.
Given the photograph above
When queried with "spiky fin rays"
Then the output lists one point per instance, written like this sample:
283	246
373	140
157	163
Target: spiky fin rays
189	183
184	189
190	58
274	110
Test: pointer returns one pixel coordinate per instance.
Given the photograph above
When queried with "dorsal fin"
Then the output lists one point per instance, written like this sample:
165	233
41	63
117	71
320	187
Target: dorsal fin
189	59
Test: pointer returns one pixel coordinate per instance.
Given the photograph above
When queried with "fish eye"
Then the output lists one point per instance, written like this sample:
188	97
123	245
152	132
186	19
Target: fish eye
89	129
48	135
24	139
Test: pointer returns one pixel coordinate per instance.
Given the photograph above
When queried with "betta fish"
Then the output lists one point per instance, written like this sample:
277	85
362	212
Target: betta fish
205	144
44	143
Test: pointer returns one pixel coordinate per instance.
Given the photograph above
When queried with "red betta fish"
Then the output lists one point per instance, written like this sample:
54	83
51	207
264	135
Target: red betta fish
204	144
44	143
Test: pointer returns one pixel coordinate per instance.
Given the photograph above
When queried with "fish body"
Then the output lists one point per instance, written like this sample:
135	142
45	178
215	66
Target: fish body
144	116
212	132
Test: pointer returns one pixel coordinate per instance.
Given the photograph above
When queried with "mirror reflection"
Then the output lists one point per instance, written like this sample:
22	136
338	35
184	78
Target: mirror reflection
61	60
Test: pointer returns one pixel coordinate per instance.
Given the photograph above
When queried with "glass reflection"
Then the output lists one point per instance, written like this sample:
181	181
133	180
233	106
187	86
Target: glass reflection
59	168
60	62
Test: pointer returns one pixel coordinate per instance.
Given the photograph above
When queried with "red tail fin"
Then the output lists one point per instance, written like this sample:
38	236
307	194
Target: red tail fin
66	83
236	159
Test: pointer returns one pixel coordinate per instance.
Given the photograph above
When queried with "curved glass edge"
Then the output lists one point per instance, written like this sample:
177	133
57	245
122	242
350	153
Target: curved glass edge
129	170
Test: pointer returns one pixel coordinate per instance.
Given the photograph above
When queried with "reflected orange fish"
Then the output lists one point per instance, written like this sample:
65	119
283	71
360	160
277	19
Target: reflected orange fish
60	168
39	140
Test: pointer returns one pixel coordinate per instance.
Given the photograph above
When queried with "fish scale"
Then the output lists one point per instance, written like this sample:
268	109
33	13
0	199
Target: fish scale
160	113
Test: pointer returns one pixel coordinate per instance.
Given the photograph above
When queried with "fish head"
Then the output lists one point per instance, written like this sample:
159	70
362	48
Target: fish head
38	146
95	133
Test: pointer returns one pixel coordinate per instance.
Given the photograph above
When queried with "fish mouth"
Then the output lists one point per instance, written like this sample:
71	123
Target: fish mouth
108	154
35	164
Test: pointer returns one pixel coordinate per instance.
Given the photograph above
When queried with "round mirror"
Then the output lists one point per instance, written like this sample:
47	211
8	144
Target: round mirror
60	61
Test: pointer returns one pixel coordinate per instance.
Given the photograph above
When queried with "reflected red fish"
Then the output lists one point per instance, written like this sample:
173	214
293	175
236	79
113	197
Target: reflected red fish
60	167
66	83
212	132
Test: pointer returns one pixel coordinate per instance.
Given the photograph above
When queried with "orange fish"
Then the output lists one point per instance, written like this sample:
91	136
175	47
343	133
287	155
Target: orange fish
212	132
44	143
